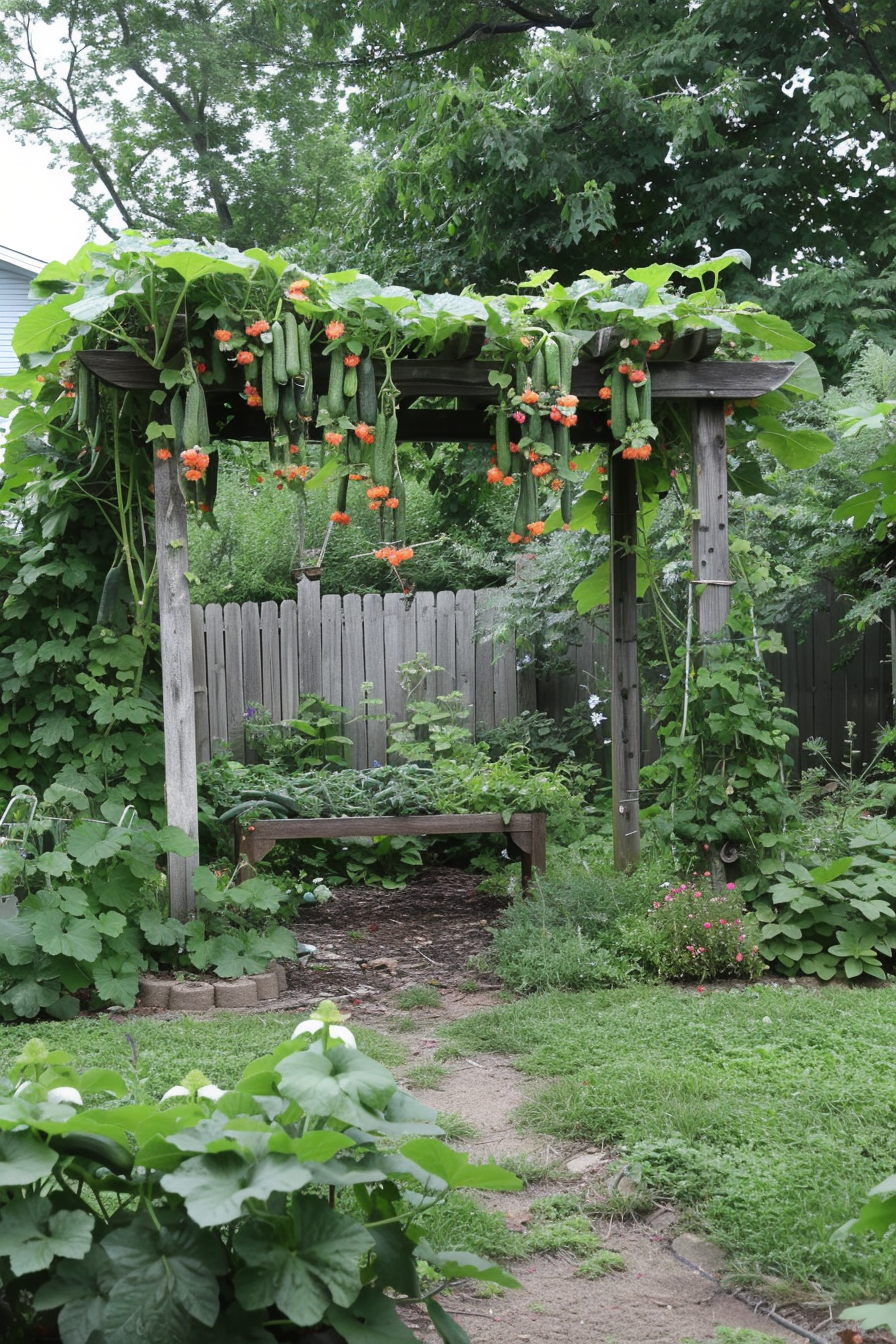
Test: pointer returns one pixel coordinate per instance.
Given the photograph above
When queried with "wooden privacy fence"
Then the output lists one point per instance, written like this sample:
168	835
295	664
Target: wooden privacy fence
273	653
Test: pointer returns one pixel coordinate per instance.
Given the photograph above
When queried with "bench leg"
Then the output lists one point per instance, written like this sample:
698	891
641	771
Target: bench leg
250	849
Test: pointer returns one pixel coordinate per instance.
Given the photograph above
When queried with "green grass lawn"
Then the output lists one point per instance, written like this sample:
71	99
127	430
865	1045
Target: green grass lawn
167	1050
767	1114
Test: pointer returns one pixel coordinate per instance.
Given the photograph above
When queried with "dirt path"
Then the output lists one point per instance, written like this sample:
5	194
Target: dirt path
372	945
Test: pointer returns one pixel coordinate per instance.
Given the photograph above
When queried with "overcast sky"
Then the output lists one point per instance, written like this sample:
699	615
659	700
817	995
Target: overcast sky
36	215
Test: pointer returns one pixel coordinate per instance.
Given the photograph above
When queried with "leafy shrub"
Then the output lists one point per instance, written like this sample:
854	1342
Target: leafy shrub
546	742
313	737
210	1210
838	918
79	904
695	933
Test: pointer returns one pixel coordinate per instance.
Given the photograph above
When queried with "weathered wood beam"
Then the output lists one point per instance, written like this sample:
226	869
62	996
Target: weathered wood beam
625	686
181	796
709	528
724	379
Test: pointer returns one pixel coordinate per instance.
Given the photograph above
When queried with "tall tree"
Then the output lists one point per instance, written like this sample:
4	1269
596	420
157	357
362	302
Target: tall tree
181	118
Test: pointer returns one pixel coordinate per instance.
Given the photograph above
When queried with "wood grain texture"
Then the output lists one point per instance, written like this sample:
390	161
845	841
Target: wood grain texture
465	655
289	659
397	614
270	659
234	692
425	606
251	648
446	643
485	676
353	675
181	797
200	686
310	634
331	650
216	674
625	686
375	672
709	529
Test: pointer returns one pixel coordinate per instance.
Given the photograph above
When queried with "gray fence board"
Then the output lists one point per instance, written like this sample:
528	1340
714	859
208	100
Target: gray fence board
328	646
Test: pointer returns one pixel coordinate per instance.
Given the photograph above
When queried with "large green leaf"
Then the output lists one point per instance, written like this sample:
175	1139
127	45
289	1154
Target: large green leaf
42	327
32	1235
343	1083
90	842
794	448
215	1187
371	1319
873	1315
456	1169
62	936
163	1275
17	945
301	1264
24	1159
464	1265
448	1328
193	265
774	331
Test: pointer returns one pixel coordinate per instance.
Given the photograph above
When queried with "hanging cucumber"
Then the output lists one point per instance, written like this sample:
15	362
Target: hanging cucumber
306	397
86	397
561	445
566	501
552	362
367	406
632	409
110	598
502	441
277	348
351	410
195	431
567	346
288	409
350	381
520	516
176	412
645	399
618	417
538	372
291	342
342	494
522	373
546	435
270	398
335	398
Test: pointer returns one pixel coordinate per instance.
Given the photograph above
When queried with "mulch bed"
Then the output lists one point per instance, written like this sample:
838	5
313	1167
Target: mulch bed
371	942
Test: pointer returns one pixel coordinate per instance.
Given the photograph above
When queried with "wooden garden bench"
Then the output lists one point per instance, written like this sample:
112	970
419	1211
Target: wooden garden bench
525	829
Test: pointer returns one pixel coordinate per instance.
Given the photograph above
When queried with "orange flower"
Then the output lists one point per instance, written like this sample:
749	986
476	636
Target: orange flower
542	469
605	393
254	400
256	328
303	283
568	400
514	447
530	397
378	492
244	356
601	471
163	454
654	345
637	376
637	452
525	342
278	471
201	368
573	466
352	361
494	475
303	472
259	479
355	476
554	413
294	448
205	508
363	432
625	368
514	537
535	529
194	460
383	553
334	330
297	289
569	420
222	335
532	455
193	475
296	295
508	480
342	518
332	438
392	503
557	484
406	553
374	505
280	486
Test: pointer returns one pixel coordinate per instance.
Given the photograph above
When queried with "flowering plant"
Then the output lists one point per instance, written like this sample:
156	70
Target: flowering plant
258	1212
693	932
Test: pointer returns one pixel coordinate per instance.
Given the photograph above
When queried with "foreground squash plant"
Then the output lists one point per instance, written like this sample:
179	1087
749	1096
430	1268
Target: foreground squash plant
244	1217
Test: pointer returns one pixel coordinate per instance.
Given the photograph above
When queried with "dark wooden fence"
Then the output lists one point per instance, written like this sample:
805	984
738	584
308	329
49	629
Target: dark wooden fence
272	654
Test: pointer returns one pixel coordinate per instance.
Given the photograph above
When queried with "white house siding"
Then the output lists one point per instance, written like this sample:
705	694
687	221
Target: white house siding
16	274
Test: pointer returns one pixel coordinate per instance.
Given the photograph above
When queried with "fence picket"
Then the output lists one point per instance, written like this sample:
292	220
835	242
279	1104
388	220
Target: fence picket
375	672
289	660
270	659
235	697
353	675
200	683
216	677
308	605
331	651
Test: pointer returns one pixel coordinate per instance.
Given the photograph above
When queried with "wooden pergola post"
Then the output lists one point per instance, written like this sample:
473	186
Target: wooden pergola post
181	795
709	529
625	687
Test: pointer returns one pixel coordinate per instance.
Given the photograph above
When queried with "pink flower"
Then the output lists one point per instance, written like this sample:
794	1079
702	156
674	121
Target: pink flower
739	957
707	926
707	874
729	886
669	898
701	949
519	417
723	922
699	989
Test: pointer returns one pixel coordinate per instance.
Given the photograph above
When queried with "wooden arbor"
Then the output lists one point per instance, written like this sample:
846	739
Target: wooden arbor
685	374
